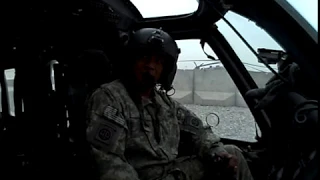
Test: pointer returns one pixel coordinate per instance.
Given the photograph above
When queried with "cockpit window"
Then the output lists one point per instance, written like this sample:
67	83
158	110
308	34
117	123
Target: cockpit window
159	8
192	56
254	35
9	75
308	9
257	38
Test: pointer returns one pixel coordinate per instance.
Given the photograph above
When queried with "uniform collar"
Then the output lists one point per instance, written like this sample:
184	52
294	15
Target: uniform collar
153	99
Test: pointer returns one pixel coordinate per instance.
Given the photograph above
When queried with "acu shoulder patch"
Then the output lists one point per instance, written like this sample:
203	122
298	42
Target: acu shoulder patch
112	114
106	135
106	132
188	122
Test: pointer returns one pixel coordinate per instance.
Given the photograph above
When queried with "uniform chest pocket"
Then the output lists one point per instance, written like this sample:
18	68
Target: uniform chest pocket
135	126
170	132
169	123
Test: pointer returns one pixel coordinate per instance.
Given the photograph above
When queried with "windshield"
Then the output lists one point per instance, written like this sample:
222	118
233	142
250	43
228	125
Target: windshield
308	9
159	8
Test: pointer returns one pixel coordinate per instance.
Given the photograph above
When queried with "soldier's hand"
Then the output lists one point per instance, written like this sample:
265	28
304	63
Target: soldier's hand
224	165
230	162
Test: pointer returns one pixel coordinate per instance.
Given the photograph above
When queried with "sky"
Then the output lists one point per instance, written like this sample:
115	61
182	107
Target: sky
256	37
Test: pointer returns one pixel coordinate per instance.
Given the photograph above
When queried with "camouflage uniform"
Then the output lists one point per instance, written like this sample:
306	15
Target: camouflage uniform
140	142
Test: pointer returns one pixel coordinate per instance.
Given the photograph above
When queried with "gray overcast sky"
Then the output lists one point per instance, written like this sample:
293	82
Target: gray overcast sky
256	37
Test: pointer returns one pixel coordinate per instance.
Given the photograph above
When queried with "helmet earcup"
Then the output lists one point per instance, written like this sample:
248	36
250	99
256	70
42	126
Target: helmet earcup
167	78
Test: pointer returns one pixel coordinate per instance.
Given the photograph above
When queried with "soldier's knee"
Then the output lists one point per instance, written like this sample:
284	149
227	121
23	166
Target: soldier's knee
232	149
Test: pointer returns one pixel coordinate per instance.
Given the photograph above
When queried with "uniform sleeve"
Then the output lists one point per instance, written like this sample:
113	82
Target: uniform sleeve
106	132
204	141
